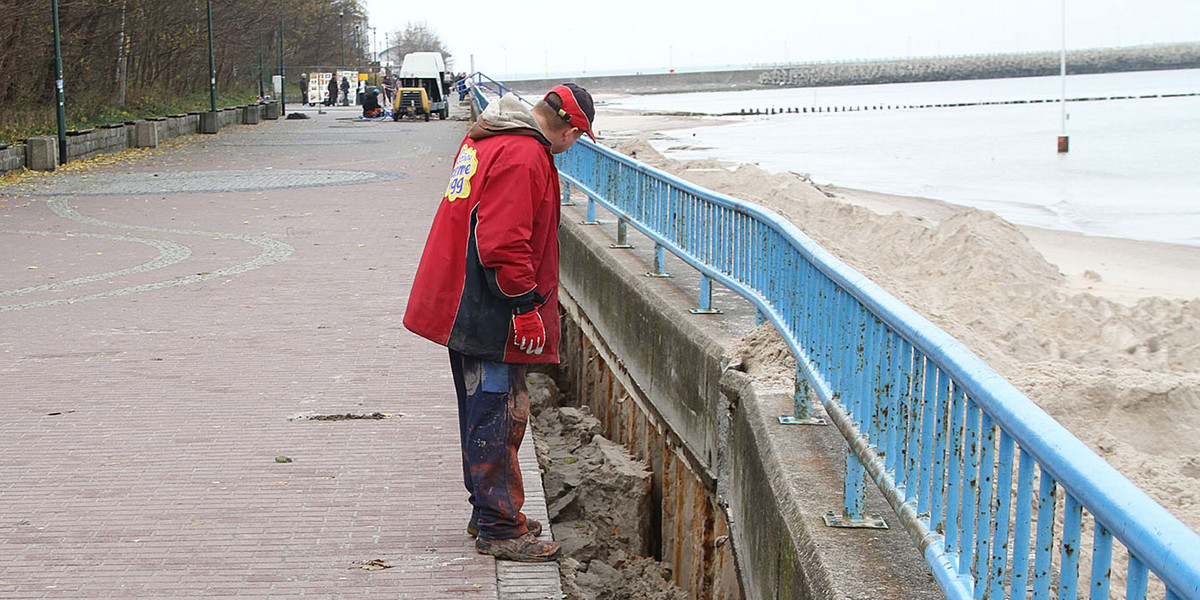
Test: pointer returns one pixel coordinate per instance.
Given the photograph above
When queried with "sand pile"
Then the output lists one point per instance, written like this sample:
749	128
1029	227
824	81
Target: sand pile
1123	377
598	498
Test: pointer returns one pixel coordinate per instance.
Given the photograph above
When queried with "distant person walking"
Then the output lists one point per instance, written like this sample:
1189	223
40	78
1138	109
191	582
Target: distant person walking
487	289
462	87
304	89
345	92
332	88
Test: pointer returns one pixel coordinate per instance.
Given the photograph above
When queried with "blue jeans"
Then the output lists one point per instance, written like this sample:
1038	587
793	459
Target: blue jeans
493	411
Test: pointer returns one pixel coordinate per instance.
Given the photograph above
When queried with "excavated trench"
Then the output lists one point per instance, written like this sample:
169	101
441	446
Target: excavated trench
599	501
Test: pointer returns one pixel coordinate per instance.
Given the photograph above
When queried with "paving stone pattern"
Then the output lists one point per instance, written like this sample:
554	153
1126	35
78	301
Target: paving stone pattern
154	343
227	180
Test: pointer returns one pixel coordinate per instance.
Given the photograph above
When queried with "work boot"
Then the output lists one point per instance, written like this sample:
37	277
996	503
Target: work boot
521	549
534	527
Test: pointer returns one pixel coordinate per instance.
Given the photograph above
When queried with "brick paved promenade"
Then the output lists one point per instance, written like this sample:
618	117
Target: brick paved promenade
172	322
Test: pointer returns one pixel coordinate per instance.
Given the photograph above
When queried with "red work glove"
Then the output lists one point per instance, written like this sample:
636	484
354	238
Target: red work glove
529	334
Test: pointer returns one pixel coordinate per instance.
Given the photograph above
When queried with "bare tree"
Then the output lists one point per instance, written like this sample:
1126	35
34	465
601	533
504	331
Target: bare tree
148	53
417	37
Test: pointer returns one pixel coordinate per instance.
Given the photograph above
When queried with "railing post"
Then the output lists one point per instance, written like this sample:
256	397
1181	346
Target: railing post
660	262
1101	563
854	506
1138	578
1045	538
622	234
970	489
566	192
983	501
855	488
706	307
997	572
1023	523
591	213
802	406
1068	572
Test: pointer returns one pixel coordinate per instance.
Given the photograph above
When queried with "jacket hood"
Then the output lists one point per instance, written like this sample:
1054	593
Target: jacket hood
507	116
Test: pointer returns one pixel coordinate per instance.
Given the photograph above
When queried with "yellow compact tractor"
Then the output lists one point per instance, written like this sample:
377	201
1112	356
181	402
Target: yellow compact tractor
411	101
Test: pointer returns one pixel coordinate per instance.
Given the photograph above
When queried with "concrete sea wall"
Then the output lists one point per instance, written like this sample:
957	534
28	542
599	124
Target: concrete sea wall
739	498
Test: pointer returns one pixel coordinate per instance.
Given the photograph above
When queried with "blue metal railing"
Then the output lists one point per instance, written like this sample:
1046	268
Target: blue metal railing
991	489
479	85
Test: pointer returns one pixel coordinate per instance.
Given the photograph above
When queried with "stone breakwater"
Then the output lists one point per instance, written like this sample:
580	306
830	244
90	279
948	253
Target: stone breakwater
995	66
1032	64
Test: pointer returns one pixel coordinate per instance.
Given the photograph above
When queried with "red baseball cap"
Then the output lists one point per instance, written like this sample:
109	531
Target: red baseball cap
577	107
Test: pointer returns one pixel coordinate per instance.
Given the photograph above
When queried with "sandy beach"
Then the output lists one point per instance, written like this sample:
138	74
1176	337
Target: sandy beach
1102	333
1114	268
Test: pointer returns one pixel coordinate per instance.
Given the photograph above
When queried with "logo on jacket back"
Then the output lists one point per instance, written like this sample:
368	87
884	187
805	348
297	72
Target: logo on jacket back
460	178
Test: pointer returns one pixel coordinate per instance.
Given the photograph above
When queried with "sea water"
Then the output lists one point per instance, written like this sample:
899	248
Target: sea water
1132	171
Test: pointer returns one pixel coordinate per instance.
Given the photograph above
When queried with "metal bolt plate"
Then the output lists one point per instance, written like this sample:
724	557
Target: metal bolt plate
835	520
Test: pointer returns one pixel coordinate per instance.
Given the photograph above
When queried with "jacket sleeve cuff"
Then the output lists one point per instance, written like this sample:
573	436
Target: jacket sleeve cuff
526	303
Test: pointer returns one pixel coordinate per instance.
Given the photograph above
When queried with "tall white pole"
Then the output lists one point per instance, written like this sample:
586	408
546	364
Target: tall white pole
1063	144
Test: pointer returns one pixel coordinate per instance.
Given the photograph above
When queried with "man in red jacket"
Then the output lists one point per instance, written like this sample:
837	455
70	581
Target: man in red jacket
487	289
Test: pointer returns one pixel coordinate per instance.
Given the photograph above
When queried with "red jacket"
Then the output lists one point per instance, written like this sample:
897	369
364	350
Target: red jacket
493	246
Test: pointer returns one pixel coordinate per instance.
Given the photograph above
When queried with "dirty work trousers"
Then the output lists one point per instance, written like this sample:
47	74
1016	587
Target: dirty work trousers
493	411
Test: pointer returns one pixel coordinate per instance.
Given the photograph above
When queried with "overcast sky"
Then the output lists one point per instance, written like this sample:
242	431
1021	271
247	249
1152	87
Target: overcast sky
649	35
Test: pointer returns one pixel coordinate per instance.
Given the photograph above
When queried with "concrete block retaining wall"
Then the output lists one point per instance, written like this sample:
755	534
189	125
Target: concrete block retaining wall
12	158
82	145
729	480
94	142
177	125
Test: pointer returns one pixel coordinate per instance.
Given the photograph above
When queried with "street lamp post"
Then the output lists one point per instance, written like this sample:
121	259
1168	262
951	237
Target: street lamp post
342	35
262	74
58	83
282	73
212	65
374	55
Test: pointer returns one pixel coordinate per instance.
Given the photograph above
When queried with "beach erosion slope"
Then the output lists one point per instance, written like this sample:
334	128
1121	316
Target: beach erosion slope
1103	334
